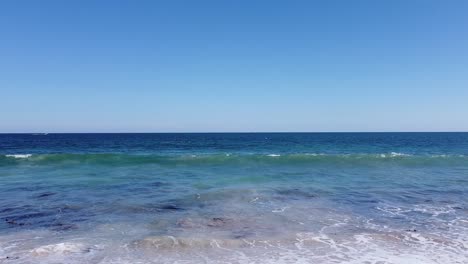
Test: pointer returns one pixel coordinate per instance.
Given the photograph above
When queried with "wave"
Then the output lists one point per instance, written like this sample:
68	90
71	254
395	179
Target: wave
235	159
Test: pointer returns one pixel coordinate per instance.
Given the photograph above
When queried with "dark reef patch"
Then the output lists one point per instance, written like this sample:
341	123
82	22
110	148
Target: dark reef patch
294	194
46	194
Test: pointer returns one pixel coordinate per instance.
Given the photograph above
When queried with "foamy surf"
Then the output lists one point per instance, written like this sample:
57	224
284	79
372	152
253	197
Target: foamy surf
343	244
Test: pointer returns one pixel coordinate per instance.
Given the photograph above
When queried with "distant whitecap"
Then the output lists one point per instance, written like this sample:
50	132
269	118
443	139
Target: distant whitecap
19	156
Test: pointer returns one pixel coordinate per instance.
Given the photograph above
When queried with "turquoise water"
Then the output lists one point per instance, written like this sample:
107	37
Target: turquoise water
234	198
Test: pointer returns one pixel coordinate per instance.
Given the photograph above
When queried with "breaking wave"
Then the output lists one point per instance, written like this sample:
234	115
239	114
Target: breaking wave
236	159
18	156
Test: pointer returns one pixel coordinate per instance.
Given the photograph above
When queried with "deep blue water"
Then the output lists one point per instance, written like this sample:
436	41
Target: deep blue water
329	143
392	193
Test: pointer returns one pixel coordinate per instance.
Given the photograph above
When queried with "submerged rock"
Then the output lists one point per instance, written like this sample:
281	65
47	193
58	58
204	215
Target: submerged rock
295	194
157	184
63	227
170	207
46	194
11	258
218	222
242	234
170	242
187	223
203	222
14	222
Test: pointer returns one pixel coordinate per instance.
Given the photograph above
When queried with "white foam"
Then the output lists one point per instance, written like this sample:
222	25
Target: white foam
394	154
397	154
280	210
60	248
18	156
320	247
434	211
273	155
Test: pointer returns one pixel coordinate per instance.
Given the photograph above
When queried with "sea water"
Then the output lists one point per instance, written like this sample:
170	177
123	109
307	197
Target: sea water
234	198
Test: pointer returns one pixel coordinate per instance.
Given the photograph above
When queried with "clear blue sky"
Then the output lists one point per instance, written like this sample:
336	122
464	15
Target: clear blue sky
162	66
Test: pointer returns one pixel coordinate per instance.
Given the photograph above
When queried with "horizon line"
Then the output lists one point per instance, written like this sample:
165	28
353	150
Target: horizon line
233	132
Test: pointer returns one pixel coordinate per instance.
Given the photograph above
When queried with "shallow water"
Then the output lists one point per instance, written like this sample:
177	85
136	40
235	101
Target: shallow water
234	198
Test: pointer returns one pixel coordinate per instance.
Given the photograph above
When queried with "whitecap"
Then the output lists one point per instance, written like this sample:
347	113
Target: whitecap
394	154
19	156
397	154
273	155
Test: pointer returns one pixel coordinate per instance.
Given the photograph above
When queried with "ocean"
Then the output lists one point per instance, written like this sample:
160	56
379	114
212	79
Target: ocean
234	198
